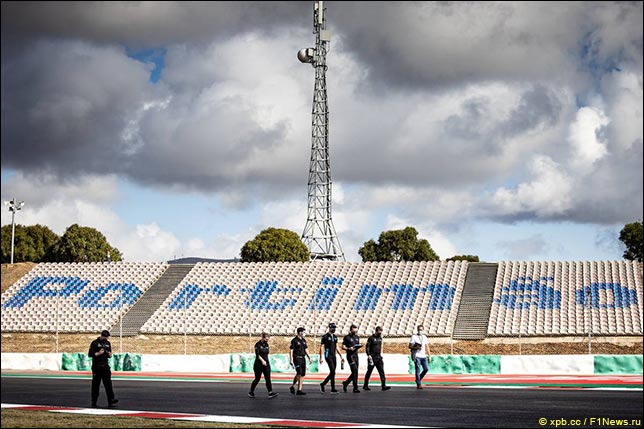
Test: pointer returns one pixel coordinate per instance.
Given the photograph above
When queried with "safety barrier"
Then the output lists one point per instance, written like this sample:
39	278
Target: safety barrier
118	362
462	364
394	364
617	364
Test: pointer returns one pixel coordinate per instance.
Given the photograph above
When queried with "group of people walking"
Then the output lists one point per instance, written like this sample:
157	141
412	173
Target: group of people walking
329	351
101	350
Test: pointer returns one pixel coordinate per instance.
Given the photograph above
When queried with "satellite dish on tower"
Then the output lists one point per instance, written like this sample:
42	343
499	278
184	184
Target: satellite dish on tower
306	55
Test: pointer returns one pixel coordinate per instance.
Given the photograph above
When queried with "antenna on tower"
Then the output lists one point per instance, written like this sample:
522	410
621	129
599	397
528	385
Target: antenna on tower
319	233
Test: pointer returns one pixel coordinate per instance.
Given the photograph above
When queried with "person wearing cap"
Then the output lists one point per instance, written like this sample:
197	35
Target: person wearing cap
374	359
298	354
328	349
351	344
262	366
100	350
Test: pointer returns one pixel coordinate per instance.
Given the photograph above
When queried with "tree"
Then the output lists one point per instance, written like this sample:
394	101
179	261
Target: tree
398	245
631	236
31	243
470	258
84	244
275	245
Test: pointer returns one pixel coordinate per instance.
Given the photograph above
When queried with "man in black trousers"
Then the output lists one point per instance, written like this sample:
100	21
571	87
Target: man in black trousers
100	351
328	349
351	344
374	359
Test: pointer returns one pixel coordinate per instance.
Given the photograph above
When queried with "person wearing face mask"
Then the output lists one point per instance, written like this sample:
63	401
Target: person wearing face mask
374	359
100	350
419	353
262	366
328	349
298	361
351	344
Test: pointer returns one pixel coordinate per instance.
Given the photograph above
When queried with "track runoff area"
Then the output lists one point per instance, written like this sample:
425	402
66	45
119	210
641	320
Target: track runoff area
445	401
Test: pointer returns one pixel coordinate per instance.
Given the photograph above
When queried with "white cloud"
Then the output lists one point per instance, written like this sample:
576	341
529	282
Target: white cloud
86	202
584	140
148	242
548	193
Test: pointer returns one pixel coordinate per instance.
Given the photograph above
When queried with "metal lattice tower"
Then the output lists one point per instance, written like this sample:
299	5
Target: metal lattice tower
319	233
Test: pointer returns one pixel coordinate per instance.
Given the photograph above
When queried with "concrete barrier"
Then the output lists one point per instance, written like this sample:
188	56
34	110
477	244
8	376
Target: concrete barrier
394	363
547	364
32	361
185	363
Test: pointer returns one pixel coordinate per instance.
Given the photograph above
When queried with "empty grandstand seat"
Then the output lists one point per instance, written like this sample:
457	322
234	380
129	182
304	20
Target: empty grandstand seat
305	292
75	292
569	298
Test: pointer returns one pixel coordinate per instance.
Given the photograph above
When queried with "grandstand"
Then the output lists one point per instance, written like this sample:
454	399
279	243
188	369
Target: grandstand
278	297
529	298
567	298
76	297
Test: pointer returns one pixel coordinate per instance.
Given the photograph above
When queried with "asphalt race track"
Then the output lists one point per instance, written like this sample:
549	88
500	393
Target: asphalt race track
403	405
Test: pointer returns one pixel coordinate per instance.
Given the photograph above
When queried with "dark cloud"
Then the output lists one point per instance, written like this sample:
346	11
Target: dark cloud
147	24
613	192
456	96
420	142
64	105
93	111
539	108
443	44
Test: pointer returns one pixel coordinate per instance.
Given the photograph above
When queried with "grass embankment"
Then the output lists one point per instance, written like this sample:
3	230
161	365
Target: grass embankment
11	273
13	418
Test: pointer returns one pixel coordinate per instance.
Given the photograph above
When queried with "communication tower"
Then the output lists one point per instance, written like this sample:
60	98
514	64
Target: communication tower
319	233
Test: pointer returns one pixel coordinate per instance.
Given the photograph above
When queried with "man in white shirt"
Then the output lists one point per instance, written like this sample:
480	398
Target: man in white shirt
420	354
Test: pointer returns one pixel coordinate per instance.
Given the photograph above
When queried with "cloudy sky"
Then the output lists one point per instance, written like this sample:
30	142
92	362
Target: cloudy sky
505	130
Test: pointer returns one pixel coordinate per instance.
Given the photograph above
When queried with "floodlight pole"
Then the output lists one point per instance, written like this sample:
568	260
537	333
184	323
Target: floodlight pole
120	313
185	311
521	317
57	312
13	232
250	315
14	206
590	322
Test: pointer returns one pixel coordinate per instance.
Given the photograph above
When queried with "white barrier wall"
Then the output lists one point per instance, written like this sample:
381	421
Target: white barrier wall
31	361
394	364
185	363
548	364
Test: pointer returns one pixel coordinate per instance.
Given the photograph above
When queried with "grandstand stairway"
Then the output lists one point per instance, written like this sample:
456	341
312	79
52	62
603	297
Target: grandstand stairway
474	310
151	300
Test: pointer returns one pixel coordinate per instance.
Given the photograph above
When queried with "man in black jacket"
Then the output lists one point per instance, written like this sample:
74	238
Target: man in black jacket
262	366
374	359
100	351
351	344
328	349
298	354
